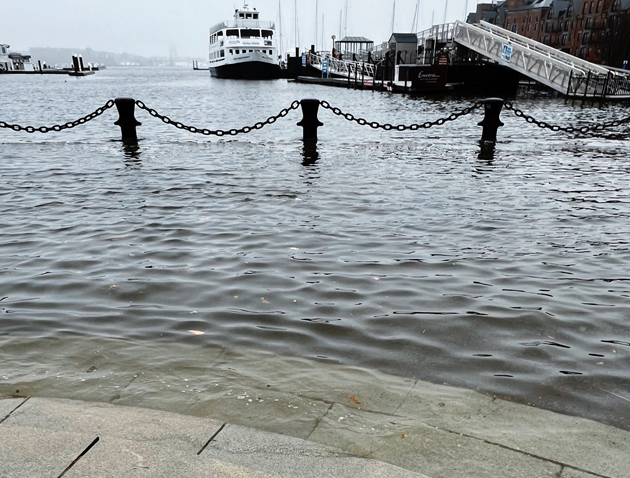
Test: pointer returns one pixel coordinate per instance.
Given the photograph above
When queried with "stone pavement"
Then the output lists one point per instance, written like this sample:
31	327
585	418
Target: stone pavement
284	417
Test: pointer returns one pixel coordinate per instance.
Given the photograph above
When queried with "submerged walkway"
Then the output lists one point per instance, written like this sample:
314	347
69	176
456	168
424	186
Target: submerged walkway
256	414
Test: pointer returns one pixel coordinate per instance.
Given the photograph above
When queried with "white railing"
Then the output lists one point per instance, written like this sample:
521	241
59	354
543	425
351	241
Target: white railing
565	73
343	68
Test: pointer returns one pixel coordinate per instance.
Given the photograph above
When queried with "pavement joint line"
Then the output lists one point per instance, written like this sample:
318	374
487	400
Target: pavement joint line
531	455
74	462
11	412
212	438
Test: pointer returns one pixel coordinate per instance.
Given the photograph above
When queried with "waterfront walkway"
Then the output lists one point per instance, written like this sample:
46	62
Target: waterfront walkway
271	416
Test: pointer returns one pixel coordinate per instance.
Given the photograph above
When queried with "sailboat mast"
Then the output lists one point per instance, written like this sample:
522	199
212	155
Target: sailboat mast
414	23
281	44
393	17
345	23
445	9
316	22
297	32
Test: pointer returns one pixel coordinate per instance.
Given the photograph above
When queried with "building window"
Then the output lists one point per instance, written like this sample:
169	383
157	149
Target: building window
514	27
599	6
590	8
583	52
585	38
589	23
564	39
584	8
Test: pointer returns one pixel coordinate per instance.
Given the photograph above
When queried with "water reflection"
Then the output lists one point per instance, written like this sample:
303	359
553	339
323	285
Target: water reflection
132	154
486	151
310	154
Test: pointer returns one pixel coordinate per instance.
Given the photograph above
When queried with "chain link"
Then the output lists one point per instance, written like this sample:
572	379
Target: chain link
592	129
208	132
57	127
402	127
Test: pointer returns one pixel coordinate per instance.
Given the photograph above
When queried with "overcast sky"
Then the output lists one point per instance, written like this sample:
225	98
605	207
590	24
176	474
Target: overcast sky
155	27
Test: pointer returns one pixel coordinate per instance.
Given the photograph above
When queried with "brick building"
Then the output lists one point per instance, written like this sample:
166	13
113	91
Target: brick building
596	30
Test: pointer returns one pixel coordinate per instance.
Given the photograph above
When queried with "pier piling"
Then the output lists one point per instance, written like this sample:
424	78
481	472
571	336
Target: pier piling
127	121
310	122
491	121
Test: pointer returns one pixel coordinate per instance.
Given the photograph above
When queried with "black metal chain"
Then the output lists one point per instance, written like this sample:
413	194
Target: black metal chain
57	127
402	127
592	129
208	132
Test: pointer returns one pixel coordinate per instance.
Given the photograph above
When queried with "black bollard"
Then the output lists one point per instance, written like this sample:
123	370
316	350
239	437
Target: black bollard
310	122
81	66
127	120
75	63
491	121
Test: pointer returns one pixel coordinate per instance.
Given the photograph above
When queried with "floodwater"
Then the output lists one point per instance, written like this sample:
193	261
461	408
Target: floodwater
415	253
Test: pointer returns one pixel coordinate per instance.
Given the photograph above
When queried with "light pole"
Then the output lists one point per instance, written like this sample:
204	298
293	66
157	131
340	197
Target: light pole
332	52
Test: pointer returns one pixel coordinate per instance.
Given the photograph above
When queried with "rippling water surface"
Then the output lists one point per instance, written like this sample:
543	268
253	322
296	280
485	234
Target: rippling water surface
411	252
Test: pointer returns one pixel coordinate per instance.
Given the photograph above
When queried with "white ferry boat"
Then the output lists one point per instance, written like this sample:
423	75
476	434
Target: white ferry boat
246	49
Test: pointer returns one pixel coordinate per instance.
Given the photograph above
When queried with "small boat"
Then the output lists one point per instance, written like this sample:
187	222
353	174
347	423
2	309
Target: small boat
245	50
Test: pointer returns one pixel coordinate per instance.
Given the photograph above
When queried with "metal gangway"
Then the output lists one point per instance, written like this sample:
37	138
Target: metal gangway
343	68
565	73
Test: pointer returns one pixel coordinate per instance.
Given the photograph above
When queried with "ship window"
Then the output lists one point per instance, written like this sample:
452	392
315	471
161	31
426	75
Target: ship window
238	52
267	33
222	53
220	34
255	16
251	51
250	33
231	33
231	52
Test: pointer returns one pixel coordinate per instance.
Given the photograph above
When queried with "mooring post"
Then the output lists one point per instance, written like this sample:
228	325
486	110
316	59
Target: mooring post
310	122
127	121
491	121
75	63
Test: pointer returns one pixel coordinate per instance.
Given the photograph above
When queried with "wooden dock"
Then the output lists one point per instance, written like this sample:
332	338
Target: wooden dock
351	83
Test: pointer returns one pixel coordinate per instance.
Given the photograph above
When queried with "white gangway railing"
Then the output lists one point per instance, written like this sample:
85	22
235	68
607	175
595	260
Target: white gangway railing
354	69
565	73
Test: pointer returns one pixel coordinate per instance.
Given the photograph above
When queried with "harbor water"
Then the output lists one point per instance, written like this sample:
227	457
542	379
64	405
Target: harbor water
410	252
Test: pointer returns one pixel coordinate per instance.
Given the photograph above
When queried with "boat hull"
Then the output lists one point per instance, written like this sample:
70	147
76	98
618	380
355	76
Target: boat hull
249	70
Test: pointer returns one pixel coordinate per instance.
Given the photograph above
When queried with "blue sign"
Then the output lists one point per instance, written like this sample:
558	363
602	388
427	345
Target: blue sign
303	59
507	52
325	66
